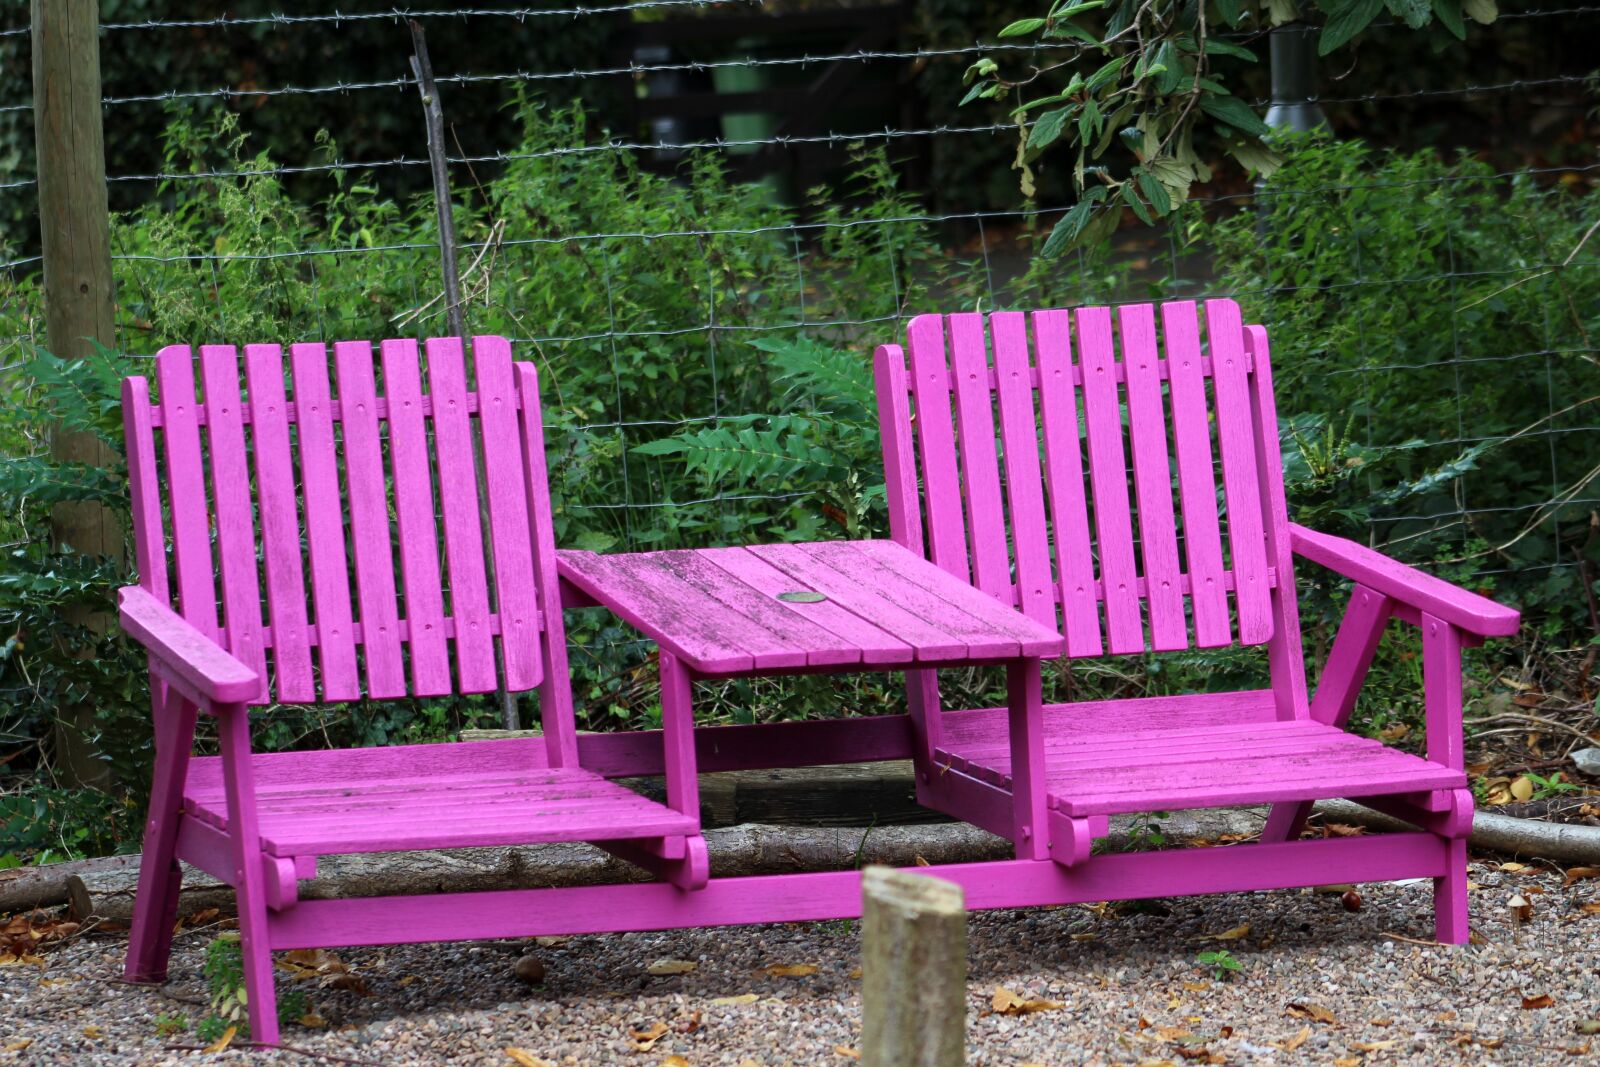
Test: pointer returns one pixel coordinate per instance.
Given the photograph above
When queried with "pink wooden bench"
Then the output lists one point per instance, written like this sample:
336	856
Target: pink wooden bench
1077	542
316	468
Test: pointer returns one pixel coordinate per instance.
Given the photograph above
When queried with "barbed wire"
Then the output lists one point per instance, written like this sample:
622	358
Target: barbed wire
522	14
519	14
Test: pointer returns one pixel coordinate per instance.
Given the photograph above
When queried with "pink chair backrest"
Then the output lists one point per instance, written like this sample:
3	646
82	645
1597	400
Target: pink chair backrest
1044	515
257	492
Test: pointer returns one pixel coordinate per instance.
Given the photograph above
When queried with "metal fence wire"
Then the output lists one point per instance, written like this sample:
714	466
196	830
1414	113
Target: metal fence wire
849	268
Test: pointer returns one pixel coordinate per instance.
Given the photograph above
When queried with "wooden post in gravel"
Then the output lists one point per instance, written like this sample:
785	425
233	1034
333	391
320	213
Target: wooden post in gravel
75	237
913	970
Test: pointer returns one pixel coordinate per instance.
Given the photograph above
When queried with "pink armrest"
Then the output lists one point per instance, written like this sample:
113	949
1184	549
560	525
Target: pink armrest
184	650
1439	598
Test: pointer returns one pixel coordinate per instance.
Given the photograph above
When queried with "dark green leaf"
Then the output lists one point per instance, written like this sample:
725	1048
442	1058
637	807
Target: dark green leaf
1154	192
1234	112
1047	130
1068	230
1215	47
1449	14
1131	197
1348	18
1415	13
1232	11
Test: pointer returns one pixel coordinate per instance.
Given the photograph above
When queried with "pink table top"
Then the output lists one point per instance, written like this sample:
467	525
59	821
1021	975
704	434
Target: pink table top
825	606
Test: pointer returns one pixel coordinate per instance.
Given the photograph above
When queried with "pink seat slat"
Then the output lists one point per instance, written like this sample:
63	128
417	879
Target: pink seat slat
1108	475
930	388
1069	508
235	511
980	472
1191	425
414	520
191	524
279	511
1225	333
463	532
1019	433
515	599
325	537
369	520
1152	476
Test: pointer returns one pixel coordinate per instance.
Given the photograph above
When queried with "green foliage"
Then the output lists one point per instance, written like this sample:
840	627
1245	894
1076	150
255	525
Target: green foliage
223	968
1221	962
1146	83
171	1025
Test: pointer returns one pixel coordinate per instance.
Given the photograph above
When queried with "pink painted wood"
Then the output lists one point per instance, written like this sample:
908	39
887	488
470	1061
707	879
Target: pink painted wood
1069	508
232	460
278	507
1142	380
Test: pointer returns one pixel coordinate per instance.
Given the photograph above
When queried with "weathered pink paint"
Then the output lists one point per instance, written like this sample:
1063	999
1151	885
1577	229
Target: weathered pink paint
1140	378
259	821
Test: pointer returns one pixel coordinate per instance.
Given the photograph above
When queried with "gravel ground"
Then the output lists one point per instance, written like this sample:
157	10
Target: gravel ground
1317	984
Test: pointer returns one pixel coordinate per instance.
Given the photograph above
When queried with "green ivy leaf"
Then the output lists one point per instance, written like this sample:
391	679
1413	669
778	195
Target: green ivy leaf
1482	12
1349	17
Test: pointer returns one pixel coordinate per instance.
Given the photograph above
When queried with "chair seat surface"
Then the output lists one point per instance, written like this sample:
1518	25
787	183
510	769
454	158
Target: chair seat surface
1210	765
442	796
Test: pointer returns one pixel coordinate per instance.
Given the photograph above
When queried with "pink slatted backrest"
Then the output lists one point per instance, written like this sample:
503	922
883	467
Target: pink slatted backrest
1112	472
332	534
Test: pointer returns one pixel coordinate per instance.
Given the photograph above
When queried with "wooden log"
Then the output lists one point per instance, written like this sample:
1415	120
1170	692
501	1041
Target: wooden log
913	970
1491	832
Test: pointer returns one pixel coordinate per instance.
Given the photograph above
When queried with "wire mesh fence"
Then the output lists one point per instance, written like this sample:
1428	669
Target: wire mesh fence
653	262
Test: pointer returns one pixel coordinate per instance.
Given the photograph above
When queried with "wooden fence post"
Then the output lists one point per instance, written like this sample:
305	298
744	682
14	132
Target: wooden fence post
913	970
75	231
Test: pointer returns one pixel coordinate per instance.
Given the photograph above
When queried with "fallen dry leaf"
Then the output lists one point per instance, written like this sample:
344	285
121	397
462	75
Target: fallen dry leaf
1382	1022
1543	1000
224	1041
1588	1026
742	998
1289	1044
674	1061
688	1024
1006	1002
855	972
846	1050
1347	1061
524	1058
1590	908
790	970
1373	1046
93	1032
1575	874
665	967
1307	1010
19	1044
1084	937
407	980
645	1040
1227	935
312	1020
1197	987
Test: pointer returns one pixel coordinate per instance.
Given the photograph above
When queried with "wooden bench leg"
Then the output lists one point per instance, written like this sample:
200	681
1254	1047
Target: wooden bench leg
249	886
1029	827
156	906
1450	896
